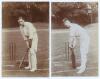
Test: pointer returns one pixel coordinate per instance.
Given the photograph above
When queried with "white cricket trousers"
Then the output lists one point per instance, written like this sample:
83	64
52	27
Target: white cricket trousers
84	47
32	53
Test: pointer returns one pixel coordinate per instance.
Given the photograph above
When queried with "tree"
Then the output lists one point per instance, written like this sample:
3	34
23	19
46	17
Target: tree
34	12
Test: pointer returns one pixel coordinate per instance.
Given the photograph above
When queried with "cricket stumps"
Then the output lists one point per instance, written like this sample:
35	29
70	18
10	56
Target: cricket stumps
12	51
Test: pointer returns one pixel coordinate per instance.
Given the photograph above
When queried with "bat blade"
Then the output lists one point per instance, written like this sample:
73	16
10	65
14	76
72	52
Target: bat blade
22	60
73	58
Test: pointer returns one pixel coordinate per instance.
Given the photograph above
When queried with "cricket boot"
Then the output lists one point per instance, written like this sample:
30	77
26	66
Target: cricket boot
81	70
27	67
33	70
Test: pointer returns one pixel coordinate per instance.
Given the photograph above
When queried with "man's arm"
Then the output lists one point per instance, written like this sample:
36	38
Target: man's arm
31	34
25	38
32	31
72	38
72	41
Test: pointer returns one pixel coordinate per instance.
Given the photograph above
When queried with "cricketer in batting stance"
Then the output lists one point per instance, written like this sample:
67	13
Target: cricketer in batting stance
75	31
29	34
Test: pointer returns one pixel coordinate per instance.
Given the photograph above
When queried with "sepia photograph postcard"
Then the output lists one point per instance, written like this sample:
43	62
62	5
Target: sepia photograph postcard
49	39
74	39
25	36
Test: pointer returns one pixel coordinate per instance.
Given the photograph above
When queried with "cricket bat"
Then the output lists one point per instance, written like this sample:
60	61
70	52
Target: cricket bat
22	60
73	58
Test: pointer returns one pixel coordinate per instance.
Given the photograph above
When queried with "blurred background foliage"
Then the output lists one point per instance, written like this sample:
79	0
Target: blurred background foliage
33	12
82	13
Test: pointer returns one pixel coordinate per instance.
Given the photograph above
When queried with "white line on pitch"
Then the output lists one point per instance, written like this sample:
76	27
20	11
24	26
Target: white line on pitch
58	56
23	70
92	68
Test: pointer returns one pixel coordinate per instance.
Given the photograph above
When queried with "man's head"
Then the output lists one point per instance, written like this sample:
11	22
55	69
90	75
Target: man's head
21	21
66	22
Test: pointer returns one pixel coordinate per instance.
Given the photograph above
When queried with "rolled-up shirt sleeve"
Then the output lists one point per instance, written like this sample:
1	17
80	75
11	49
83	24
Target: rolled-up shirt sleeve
72	39
31	31
25	38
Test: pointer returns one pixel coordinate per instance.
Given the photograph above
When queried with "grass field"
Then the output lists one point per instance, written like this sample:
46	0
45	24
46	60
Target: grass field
9	66
60	65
